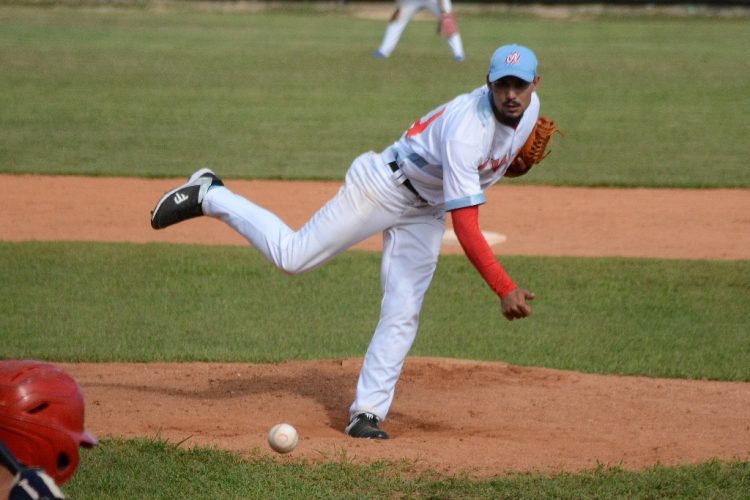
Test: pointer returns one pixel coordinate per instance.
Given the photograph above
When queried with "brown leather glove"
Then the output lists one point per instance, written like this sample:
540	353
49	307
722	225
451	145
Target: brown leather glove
534	149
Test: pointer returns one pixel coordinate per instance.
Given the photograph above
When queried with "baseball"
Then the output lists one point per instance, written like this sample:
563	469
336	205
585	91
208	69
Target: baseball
282	438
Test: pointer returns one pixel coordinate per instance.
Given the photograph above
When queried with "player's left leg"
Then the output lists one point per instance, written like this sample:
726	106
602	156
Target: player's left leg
410	254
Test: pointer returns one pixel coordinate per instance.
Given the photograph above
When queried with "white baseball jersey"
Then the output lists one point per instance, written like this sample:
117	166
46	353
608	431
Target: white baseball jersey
457	150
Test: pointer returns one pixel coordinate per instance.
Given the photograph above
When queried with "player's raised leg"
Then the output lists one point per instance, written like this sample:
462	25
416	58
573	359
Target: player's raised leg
366	204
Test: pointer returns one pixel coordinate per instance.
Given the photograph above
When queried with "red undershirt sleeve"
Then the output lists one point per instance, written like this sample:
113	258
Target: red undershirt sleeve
466	227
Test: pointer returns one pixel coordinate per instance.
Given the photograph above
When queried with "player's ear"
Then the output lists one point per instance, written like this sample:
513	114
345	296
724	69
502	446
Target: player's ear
489	84
536	81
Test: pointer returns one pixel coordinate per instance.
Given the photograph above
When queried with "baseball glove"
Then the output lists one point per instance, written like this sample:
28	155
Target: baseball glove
534	149
447	24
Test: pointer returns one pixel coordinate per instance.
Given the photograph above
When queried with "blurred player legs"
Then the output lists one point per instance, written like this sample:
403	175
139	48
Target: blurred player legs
405	11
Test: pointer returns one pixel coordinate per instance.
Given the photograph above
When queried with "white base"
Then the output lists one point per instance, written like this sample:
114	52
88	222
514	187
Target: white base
449	237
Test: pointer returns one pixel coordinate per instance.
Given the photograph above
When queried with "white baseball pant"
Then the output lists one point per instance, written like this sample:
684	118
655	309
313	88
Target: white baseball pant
370	200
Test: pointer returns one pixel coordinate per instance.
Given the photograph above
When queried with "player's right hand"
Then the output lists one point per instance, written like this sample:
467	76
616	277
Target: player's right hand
515	304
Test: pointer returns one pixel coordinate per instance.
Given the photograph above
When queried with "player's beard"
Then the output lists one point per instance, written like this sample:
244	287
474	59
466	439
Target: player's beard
502	116
507	119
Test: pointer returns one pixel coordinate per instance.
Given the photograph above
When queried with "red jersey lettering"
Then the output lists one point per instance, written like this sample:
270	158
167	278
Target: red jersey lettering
418	126
496	164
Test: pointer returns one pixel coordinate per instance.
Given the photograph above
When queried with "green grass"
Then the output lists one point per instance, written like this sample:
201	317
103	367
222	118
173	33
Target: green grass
161	302
155	469
294	93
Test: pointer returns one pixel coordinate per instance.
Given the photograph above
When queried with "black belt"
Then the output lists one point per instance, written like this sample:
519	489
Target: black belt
407	183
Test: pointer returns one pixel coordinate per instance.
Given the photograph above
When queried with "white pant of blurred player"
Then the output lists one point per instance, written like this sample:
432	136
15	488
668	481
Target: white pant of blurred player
405	11
370	201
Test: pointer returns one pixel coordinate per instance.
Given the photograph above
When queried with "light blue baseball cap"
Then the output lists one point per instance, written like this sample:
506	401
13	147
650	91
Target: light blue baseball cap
513	60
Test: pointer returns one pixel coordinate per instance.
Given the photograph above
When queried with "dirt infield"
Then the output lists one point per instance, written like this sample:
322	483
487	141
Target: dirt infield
449	415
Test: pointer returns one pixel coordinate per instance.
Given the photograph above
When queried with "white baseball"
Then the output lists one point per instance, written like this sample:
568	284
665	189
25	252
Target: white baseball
282	438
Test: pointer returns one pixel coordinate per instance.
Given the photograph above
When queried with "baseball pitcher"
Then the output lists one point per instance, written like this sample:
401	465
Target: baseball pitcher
442	163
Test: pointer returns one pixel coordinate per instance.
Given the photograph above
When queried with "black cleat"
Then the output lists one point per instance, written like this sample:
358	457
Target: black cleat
184	202
365	425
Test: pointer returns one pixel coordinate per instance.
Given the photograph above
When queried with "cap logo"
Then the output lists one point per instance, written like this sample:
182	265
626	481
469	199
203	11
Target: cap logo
513	58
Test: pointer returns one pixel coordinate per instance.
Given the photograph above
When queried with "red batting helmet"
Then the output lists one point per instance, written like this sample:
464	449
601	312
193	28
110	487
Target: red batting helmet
41	417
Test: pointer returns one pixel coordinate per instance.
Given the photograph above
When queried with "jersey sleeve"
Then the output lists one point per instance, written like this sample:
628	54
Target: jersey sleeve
478	251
